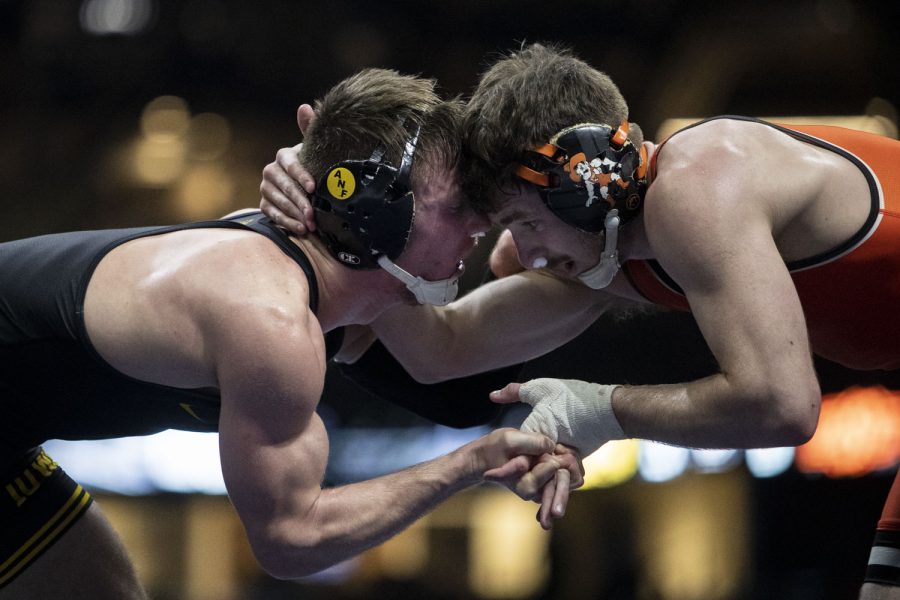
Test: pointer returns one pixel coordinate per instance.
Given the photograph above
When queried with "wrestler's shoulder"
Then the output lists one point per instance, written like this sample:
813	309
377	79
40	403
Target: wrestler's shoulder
718	140
235	271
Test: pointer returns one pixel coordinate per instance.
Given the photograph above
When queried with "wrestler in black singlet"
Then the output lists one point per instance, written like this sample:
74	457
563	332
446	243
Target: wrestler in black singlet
54	385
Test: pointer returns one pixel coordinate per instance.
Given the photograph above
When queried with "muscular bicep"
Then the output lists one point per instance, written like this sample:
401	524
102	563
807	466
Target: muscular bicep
722	252
749	312
272	444
273	465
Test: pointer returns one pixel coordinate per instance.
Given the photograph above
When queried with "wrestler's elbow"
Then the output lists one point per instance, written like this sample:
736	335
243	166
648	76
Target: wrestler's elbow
292	556
431	364
447	366
800	417
790	412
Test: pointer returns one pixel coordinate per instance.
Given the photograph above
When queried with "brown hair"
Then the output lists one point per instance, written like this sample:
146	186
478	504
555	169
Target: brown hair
380	106
520	103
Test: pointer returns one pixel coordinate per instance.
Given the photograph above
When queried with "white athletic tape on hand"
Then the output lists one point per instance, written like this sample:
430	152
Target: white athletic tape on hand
572	412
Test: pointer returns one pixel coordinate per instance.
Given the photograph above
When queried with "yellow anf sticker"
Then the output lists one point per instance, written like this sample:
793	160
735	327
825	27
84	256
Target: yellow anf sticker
341	183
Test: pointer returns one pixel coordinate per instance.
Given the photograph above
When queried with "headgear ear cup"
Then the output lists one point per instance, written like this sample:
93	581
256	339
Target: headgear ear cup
365	209
592	170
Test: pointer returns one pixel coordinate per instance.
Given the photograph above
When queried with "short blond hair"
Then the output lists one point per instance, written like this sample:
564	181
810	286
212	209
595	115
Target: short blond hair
381	107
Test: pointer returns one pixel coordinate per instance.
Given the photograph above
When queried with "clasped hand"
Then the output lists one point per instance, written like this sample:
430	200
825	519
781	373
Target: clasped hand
546	479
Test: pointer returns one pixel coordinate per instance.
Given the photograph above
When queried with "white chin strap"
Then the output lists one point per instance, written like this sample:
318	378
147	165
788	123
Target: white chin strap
439	293
599	276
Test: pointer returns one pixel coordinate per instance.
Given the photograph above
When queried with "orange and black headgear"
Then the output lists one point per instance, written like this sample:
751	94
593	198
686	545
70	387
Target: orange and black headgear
585	172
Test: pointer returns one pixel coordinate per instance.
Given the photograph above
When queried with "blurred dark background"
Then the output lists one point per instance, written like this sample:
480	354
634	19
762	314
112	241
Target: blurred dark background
75	76
135	112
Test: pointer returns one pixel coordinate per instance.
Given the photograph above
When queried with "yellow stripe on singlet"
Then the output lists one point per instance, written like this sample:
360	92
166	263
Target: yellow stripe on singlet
56	529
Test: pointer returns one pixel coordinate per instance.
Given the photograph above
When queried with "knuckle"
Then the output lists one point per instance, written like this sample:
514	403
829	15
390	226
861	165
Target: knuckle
528	487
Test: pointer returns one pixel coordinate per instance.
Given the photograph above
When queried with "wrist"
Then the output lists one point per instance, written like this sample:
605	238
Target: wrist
576	413
467	464
605	415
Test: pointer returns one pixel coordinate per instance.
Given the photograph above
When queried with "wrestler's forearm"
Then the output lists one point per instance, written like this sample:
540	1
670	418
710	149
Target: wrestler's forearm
323	527
712	413
316	529
350	519
502	323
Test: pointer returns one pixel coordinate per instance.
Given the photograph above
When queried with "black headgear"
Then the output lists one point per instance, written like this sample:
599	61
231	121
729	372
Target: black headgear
365	209
587	171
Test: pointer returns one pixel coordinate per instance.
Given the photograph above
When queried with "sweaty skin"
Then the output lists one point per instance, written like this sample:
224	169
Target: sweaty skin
718	187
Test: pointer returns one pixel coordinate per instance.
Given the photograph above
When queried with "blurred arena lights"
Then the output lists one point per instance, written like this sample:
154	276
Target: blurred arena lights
661	462
174	461
361	453
692	536
208	136
165	118
714	461
117	17
612	464
769	462
157	162
858	432
181	153
205	190
160	152
506	559
405	556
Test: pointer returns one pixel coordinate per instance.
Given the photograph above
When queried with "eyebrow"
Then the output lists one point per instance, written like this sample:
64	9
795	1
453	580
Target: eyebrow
515	216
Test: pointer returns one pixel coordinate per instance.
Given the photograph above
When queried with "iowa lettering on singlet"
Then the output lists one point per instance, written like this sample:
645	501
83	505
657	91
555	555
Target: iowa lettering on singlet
26	484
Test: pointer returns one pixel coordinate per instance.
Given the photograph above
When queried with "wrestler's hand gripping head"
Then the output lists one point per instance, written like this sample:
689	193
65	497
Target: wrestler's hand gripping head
594	178
364	214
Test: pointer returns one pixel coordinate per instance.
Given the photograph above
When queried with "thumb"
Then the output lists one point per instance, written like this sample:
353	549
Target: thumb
507	395
531	443
515	466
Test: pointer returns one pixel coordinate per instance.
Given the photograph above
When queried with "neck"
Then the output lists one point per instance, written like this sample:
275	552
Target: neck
349	296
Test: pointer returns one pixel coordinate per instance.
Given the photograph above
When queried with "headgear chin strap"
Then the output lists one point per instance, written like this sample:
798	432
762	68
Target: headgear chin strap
600	275
439	293
585	172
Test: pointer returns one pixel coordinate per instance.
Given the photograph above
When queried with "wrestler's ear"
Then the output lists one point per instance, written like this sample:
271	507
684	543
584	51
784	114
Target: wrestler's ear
305	116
